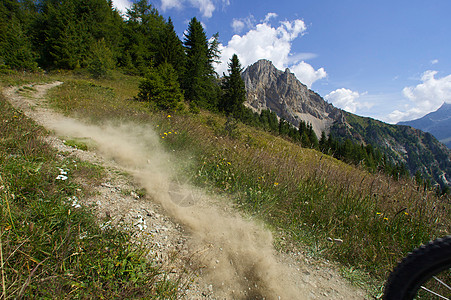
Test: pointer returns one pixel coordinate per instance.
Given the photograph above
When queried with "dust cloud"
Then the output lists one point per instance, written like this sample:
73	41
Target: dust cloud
239	259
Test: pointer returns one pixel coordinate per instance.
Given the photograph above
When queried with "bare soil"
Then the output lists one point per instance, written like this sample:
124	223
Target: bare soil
196	236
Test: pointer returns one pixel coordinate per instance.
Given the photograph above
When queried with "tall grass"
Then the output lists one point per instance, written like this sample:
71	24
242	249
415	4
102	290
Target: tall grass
328	208
373	219
51	249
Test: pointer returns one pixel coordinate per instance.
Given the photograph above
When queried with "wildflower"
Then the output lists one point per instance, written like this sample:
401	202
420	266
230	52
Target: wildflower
165	133
61	177
229	163
75	202
406	213
276	183
162	137
169	116
385	219
378	213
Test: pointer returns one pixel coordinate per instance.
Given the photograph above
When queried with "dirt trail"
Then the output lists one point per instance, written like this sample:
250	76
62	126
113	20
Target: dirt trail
236	256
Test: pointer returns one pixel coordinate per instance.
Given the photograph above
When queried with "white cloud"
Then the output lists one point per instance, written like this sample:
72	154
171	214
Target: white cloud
206	7
269	16
264	41
238	25
347	99
307	74
122	5
434	61
168	4
425	97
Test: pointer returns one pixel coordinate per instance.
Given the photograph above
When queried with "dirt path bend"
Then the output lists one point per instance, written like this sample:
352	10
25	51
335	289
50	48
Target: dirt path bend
234	256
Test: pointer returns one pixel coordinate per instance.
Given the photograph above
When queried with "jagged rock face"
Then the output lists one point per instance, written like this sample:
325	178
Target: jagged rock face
282	93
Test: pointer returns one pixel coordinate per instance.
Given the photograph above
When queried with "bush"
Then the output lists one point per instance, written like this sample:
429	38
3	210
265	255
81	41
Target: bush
162	88
102	59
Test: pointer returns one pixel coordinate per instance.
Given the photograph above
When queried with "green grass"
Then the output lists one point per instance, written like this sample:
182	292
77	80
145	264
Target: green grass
300	193
50	249
79	143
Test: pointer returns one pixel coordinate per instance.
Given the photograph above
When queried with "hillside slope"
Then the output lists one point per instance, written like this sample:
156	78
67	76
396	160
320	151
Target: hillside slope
281	92
235	254
418	150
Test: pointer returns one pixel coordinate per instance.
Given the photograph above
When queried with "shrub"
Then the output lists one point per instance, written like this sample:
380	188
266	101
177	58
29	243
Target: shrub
161	87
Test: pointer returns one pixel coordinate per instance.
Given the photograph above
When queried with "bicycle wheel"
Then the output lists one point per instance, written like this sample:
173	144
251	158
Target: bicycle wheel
423	274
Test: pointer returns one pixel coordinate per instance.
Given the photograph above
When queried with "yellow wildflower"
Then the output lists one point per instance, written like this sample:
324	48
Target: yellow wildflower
276	183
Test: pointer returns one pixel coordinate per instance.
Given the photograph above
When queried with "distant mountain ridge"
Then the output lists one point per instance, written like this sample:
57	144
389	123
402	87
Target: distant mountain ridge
438	123
282	93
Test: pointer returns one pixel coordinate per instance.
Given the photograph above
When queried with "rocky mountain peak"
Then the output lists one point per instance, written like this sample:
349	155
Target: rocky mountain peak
281	92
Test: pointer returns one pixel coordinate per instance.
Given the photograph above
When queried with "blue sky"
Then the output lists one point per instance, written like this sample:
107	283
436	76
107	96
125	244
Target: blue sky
390	60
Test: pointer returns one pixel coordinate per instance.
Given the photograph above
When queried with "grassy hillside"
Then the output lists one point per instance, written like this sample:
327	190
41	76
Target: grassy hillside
49	249
311	201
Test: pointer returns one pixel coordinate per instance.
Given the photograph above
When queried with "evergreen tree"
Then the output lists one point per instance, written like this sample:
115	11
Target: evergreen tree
232	102
199	81
305	141
15	45
162	88
170	49
312	137
70	29
284	127
323	145
269	121
142	33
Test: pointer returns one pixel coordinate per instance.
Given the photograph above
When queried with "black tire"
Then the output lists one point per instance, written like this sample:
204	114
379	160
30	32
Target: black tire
417	268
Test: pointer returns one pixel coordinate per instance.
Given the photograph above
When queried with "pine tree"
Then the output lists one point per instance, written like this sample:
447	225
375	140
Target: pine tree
170	49
15	45
323	146
312	137
161	88
199	81
143	31
234	89
70	29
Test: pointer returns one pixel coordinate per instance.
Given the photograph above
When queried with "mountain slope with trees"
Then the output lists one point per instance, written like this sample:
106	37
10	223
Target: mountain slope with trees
438	123
397	150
